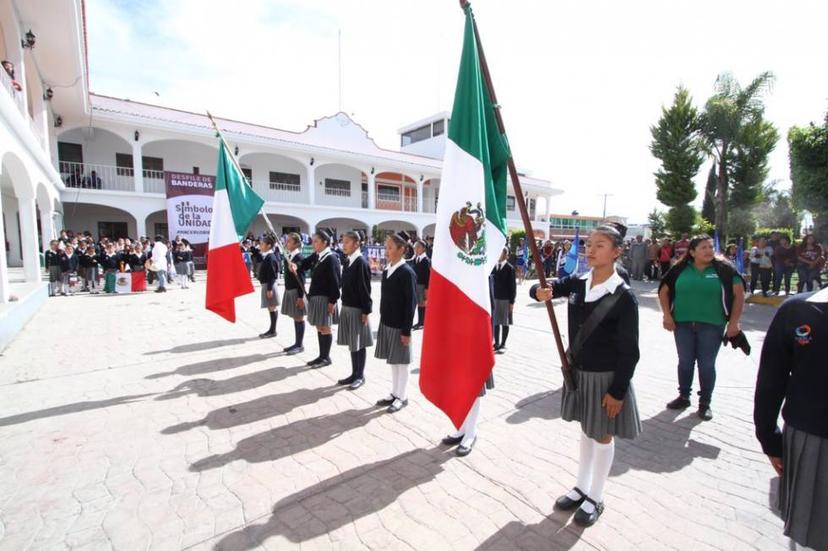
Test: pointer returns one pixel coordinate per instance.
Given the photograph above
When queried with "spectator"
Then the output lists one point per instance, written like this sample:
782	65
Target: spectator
701	299
761	265
653	250
665	256
74	180
9	67
784	261
638	257
681	247
92	181
159	263
808	263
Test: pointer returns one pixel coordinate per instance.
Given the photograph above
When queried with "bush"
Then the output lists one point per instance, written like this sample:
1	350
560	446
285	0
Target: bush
704	226
514	239
766	232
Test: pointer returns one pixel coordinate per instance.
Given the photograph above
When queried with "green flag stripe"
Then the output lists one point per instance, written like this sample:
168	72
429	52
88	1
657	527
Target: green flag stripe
474	129
245	204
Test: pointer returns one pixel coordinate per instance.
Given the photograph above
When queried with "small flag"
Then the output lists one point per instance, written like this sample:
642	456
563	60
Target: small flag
235	205
717	246
571	264
740	256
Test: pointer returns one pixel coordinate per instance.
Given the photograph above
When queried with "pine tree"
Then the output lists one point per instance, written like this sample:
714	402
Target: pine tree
709	204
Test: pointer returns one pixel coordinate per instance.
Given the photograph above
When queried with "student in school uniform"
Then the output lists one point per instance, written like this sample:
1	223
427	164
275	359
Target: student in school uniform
268	273
51	260
354	326
505	291
68	269
792	371
89	266
137	259
109	261
603	335
188	248
293	300
323	294
180	259
397	303
422	268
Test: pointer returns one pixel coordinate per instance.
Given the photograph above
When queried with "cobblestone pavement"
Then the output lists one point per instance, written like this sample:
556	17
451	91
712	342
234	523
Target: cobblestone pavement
144	421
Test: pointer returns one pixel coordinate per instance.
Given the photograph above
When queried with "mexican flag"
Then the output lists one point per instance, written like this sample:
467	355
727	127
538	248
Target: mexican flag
470	233
235	205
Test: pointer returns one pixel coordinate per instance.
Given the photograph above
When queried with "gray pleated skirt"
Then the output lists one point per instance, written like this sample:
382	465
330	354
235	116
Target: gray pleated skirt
584	405
421	295
502	314
803	489
267	302
54	274
352	332
181	269
289	307
318	315
389	346
488	385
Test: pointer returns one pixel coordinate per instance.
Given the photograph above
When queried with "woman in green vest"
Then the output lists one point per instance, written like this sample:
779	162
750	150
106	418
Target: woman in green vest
702	298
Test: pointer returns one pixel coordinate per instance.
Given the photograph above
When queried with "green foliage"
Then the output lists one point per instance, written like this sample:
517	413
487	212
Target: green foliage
776	210
809	172
658	226
514	239
767	232
680	219
742	223
703	226
676	145
709	204
749	167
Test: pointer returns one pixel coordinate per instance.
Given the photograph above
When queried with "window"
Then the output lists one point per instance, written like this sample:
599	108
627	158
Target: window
416	135
248	174
388	193
161	228
123	162
112	230
69	153
153	167
285	181
510	202
195	170
339	188
291	229
438	128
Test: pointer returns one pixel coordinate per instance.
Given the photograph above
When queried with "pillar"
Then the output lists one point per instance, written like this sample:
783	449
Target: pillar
4	266
28	239
311	185
138	166
372	192
47	227
420	194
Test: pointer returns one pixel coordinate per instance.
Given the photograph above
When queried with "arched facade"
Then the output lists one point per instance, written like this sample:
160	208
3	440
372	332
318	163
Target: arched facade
101	221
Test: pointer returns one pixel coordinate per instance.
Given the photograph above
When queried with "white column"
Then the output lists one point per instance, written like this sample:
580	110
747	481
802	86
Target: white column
138	167
420	195
372	192
4	267
28	238
47	228
311	186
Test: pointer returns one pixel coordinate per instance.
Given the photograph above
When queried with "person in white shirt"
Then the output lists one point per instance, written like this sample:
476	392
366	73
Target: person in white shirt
159	263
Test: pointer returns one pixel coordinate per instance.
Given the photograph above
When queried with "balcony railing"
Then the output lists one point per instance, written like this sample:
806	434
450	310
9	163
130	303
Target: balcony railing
279	192
92	176
16	96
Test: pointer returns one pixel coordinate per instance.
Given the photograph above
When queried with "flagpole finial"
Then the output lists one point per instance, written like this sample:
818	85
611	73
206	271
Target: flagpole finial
463	4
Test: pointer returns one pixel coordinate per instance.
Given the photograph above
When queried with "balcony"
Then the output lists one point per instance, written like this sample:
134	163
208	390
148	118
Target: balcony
92	176
16	96
279	192
394	201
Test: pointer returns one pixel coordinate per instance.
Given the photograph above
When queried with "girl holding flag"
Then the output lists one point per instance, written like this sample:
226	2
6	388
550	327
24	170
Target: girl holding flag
293	300
603	335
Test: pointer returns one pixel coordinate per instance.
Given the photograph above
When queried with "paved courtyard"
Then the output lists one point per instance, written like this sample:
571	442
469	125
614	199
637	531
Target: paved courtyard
144	421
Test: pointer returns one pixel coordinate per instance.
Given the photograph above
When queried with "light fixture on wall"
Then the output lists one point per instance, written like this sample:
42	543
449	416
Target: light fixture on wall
236	151
29	40
421	177
372	170
137	135
48	94
58	121
312	161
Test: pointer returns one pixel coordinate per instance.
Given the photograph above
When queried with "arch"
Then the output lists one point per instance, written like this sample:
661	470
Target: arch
397	225
156	223
341	225
14	168
429	230
247	157
182	155
100	219
282	223
396	191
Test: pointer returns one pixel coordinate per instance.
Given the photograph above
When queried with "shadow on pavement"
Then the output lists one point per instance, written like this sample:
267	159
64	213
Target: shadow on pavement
259	409
291	439
239	383
69	408
664	446
219	364
550	534
198	346
543	405
341	499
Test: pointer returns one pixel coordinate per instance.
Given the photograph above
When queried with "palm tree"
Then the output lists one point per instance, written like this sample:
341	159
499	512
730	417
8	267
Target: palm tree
725	115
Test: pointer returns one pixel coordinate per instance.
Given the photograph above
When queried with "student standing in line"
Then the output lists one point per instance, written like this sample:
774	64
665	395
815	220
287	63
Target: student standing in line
792	371
397	303
89	265
354	327
293	300
422	267
268	272
505	291
69	269
323	294
180	259
51	260
603	332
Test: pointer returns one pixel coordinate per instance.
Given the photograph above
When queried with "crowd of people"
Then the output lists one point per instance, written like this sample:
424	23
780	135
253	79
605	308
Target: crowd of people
78	263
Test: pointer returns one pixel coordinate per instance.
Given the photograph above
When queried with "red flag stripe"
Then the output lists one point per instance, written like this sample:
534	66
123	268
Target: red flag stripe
227	278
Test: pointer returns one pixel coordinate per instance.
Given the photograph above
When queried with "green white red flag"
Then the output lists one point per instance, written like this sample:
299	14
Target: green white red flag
457	355
235	205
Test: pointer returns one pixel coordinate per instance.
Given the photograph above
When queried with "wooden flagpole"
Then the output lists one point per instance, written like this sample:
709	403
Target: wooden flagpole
238	167
521	202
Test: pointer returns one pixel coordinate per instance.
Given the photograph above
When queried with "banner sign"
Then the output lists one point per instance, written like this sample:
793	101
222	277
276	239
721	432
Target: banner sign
190	209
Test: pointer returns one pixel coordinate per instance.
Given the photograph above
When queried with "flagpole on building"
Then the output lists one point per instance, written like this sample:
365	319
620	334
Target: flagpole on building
521	201
238	166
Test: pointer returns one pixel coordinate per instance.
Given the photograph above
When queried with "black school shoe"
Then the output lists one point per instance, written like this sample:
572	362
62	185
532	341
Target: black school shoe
681	402
705	413
452	440
267	335
321	363
463	451
346	381
356	384
565	503
397	405
585	519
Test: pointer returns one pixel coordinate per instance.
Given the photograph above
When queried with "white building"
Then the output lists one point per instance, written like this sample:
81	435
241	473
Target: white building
54	133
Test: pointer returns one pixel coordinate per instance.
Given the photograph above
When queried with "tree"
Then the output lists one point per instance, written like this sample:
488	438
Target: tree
809	172
709	204
776	210
722	125
677	146
657	225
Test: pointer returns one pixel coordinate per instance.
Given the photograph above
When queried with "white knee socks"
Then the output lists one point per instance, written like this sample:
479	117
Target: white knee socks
603	454
400	381
469	428
585	462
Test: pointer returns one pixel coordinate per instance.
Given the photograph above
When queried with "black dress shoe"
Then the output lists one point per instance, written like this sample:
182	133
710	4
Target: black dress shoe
314	361
290	348
396	405
356	384
417	327
346	380
385	402
463	451
679	403
583	518
452	440
705	413
293	350
267	335
566	503
322	363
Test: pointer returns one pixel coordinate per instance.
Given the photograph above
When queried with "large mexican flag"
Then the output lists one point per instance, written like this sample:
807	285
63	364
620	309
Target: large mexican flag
457	354
235	205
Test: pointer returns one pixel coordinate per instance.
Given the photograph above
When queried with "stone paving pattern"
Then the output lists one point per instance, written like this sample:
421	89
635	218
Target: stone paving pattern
146	422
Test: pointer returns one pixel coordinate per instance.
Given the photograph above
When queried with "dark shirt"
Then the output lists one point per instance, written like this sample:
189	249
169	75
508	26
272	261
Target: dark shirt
110	261
88	261
325	276
180	257
613	345
422	268
51	258
793	369
69	263
268	271
399	299
296	281
136	261
784	256
356	285
505	287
